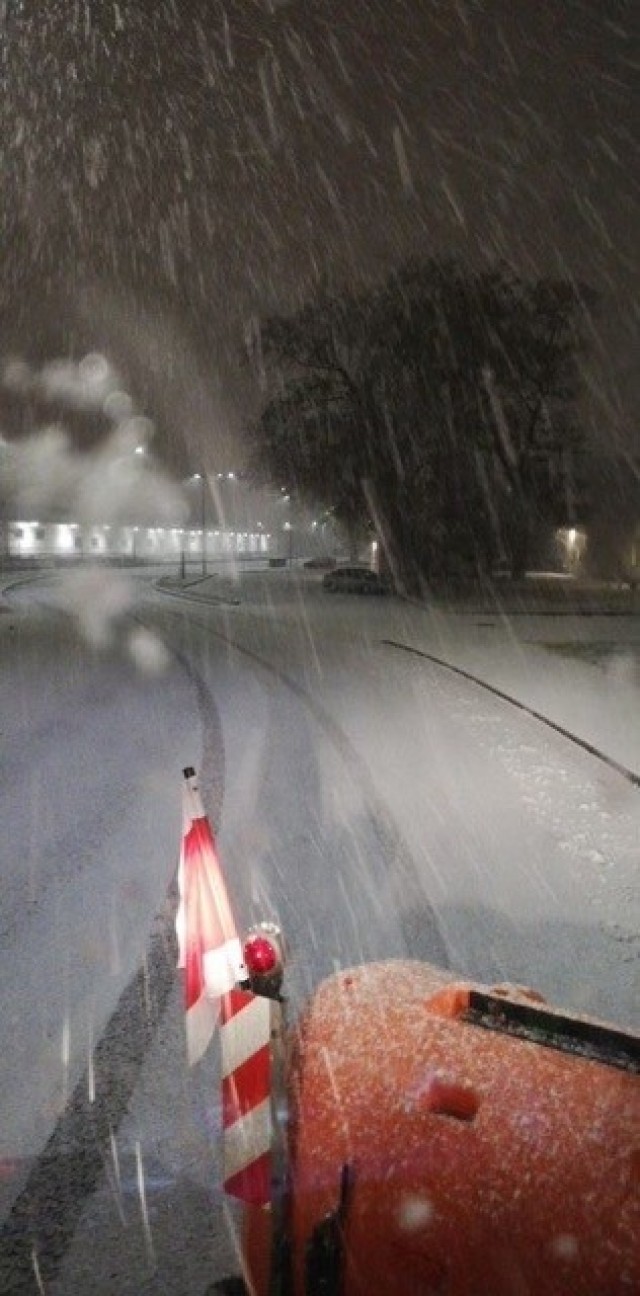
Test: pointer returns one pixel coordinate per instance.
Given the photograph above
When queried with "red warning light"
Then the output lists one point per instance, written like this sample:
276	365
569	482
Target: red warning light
260	955
263	956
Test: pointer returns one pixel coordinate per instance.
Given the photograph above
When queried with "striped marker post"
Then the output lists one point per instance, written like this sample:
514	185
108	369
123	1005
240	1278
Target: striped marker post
238	990
250	1027
209	948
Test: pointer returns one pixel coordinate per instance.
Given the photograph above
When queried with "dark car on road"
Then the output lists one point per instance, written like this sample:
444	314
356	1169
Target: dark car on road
354	580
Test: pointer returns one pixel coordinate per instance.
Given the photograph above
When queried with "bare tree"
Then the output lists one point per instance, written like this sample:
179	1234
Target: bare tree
437	407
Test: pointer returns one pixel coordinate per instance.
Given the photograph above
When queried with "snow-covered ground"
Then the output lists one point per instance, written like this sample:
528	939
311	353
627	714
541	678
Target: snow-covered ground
377	803
523	846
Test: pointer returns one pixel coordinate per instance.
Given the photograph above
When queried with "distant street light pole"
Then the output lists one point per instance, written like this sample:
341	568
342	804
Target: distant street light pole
4	519
203	518
289	529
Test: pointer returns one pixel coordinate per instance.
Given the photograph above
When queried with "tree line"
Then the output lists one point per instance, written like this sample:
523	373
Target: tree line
437	410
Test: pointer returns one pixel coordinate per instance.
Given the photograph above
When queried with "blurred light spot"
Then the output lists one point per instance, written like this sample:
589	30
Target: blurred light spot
148	652
415	1212
565	1246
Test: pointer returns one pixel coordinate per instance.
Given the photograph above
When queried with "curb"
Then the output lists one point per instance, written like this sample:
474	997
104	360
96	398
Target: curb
192	597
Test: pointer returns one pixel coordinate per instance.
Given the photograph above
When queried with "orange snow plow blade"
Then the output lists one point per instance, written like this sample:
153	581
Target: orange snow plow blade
449	1139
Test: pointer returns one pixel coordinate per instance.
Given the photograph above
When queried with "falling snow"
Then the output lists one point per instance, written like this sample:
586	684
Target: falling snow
173	176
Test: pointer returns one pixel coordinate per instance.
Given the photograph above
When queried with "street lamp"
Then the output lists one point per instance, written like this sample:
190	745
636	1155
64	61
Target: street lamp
203	518
4	519
288	527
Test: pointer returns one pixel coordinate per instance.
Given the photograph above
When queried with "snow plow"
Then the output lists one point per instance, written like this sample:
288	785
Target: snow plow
414	1134
447	1138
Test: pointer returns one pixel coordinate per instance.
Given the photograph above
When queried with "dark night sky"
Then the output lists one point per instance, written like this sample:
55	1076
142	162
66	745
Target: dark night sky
174	168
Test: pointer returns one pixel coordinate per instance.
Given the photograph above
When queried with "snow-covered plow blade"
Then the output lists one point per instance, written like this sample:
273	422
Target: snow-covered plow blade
447	1138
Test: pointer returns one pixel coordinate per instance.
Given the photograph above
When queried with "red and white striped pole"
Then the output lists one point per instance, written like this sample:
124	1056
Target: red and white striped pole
236	989
247	1117
250	1040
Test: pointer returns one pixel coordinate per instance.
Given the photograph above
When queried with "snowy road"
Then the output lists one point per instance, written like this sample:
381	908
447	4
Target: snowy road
375	803
88	848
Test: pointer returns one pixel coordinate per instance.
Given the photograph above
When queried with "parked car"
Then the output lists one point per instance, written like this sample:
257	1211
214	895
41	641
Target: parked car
354	580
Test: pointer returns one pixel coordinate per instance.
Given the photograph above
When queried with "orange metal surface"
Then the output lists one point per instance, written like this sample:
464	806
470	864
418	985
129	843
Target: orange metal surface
482	1165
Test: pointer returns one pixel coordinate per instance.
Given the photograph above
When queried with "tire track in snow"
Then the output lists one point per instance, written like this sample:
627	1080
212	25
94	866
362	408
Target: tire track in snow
39	1227
419	923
